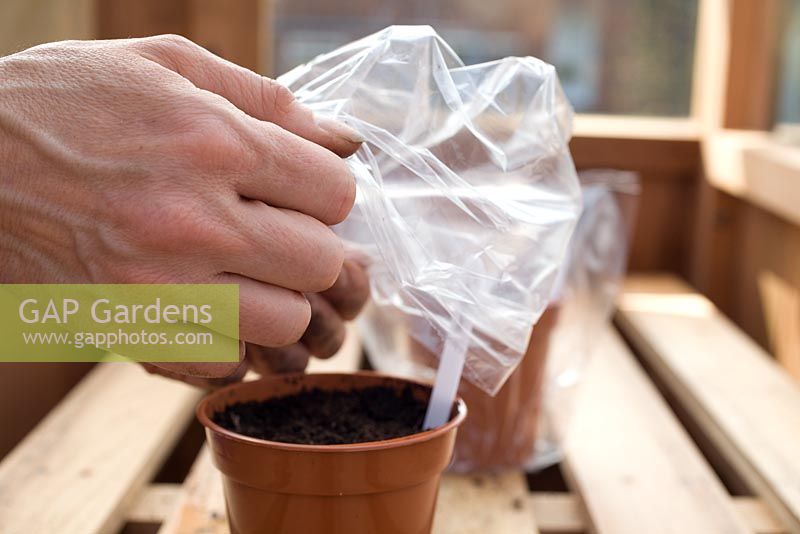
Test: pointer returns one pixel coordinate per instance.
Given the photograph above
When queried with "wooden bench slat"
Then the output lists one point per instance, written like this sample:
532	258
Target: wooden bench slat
632	463
485	504
553	512
746	404
558	513
493	505
562	513
202	508
155	503
759	516
81	468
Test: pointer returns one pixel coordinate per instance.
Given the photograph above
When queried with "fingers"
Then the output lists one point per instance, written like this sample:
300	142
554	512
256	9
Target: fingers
271	147
283	248
326	332
339	138
259	97
204	375
269	315
350	291
301	176
266	360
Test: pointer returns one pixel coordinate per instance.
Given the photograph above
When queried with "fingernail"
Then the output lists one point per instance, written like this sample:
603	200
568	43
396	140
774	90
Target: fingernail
339	129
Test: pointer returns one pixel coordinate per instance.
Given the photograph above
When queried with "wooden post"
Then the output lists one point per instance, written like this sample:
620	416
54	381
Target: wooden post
120	19
236	30
24	23
742	249
732	88
711	242
753	57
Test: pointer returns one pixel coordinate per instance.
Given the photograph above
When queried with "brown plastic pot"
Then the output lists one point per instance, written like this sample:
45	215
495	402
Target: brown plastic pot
382	487
501	430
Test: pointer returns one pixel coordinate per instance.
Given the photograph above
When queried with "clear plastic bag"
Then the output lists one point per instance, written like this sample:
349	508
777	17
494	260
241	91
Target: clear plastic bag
518	428
467	194
595	267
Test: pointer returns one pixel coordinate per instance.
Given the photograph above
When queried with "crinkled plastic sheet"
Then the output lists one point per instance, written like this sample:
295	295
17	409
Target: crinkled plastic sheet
467	194
584	298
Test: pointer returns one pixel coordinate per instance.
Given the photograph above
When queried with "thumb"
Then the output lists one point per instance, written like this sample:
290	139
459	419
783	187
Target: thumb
258	96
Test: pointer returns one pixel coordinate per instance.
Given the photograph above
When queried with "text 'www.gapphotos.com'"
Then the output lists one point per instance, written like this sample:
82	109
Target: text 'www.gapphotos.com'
109	340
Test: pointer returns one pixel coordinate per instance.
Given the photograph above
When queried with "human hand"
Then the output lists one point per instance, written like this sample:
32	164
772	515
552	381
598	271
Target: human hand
154	161
323	338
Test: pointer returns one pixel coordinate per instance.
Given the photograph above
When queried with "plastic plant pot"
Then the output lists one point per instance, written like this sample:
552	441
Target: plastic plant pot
385	486
501	431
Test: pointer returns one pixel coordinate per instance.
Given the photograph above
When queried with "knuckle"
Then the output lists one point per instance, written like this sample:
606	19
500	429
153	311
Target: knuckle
342	199
276	98
174	41
169	223
296	320
328	257
210	143
169	50
308	250
329	175
180	217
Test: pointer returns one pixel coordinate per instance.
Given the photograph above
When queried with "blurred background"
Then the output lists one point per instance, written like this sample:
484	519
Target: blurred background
700	97
632	57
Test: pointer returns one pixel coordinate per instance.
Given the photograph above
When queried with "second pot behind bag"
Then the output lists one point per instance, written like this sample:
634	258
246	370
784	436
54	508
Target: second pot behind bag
501	430
514	429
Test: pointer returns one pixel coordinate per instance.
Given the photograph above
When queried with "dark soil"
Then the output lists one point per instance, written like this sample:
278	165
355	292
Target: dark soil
317	417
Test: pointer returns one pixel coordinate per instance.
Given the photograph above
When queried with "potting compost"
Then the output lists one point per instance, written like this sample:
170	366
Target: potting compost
318	417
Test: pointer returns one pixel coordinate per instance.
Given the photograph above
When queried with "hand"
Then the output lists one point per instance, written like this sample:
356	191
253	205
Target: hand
154	161
323	338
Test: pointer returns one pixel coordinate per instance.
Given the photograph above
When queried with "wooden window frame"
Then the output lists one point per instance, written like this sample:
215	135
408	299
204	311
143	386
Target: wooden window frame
733	99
